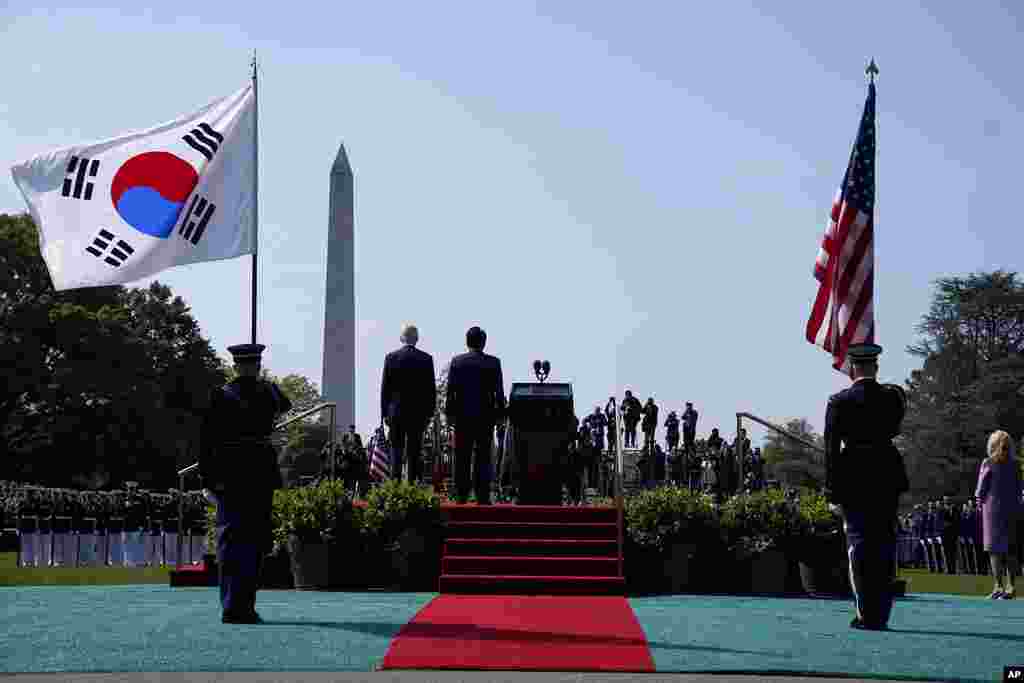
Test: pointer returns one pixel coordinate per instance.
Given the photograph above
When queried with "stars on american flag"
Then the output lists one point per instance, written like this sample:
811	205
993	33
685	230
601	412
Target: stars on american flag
860	179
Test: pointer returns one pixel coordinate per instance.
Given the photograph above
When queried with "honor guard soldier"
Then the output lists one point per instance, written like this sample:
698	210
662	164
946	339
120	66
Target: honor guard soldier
239	465
864	476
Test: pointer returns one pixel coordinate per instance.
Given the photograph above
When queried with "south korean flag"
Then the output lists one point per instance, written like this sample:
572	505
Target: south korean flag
117	211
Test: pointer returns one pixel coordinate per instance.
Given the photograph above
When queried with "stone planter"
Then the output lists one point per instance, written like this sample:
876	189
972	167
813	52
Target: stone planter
277	571
768	572
824	568
644	568
678	567
417	559
346	562
310	564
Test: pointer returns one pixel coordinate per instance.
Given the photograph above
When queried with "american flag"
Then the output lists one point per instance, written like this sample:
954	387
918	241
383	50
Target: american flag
843	312
380	458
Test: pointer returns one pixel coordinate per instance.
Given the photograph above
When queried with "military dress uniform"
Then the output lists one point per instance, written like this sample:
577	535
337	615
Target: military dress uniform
239	464
864	476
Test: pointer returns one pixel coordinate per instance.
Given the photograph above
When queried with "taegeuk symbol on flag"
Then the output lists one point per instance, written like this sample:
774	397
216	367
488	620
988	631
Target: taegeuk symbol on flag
123	209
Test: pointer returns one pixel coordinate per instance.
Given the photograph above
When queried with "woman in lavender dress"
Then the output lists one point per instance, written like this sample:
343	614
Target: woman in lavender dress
999	492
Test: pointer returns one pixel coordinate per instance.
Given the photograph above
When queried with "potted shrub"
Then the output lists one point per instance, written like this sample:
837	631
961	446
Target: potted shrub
761	529
306	521
669	529
403	522
822	550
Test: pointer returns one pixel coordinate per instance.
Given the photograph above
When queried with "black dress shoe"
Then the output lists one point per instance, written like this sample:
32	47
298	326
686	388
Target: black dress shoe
241	619
864	626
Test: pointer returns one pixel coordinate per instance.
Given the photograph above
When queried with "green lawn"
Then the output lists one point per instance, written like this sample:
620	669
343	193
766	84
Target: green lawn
12	575
920	581
923	581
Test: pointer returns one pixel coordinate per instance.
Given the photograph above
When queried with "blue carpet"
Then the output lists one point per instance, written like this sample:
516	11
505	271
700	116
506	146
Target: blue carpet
934	637
157	628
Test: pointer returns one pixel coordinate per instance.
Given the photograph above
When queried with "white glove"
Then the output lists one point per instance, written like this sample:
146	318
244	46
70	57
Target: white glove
211	497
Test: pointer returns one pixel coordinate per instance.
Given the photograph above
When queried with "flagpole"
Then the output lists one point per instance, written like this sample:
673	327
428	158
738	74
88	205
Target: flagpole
255	188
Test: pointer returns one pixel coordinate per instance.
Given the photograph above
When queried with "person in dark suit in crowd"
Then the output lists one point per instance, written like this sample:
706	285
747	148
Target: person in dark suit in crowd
672	432
475	402
631	410
951	514
689	420
581	450
865	476
408	398
598	423
715	440
609	416
239	466
650	423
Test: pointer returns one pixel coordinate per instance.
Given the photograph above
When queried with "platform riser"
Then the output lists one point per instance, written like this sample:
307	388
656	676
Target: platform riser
532	547
530	566
527	513
529	587
515	530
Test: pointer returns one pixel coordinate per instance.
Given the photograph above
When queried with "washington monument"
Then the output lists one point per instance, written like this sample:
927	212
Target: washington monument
339	379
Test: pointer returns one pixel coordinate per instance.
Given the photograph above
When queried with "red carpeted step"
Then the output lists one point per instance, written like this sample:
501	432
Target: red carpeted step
529	566
527	513
522	633
571	547
531	585
563	530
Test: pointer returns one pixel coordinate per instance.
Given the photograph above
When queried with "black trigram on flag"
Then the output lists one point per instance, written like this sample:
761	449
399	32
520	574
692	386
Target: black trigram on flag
196	218
78	169
103	246
204	140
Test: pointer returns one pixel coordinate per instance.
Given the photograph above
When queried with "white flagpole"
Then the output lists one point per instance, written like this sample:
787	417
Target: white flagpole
255	188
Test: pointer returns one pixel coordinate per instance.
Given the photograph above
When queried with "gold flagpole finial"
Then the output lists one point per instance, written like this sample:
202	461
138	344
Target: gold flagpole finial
872	70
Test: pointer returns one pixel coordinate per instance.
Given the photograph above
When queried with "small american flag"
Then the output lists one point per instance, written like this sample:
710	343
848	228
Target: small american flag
843	312
380	458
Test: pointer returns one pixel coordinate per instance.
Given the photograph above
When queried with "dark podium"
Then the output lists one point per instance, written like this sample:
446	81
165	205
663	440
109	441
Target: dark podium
540	430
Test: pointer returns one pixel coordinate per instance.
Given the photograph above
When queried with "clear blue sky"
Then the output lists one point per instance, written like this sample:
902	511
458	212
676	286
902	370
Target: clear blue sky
636	193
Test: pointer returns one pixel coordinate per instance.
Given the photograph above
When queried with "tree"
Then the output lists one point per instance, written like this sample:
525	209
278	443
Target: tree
790	461
99	384
972	351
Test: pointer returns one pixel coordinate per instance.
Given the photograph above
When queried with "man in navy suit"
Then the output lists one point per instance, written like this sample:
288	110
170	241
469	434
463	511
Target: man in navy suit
408	398
474	403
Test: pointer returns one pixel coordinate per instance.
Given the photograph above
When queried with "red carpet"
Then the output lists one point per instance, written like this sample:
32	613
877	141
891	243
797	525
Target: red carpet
523	633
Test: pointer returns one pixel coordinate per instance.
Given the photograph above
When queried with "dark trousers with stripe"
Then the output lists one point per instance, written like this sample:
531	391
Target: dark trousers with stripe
871	546
243	532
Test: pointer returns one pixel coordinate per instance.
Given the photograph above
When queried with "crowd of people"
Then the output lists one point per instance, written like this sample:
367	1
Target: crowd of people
129	509
708	464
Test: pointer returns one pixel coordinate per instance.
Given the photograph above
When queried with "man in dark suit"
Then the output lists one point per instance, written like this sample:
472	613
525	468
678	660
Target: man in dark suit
474	403
631	410
239	466
865	479
408	398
